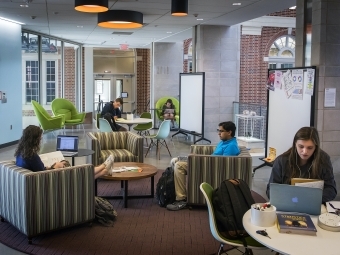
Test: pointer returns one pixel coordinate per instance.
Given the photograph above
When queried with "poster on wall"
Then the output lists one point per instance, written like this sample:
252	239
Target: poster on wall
278	77
330	95
297	76
309	81
287	83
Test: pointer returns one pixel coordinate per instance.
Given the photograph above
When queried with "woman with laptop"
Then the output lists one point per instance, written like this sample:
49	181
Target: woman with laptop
27	154
169	111
305	159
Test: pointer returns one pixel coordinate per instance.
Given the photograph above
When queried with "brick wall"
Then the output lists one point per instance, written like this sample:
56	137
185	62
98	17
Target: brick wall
186	46
70	75
143	80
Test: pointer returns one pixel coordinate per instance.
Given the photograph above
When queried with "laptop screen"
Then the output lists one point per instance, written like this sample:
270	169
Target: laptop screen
67	143
167	111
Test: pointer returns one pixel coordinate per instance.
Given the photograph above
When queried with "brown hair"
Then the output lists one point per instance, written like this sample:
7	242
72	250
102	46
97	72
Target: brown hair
29	143
120	100
305	134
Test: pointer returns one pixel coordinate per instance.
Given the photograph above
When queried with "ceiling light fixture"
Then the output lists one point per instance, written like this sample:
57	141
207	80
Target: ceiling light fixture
91	5
13	21
293	8
236	3
179	7
122	19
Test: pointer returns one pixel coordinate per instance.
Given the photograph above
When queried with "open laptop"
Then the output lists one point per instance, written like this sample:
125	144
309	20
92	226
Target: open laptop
67	144
169	111
290	198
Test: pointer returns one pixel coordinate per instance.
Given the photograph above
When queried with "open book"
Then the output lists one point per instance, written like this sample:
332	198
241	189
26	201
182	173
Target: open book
309	183
52	157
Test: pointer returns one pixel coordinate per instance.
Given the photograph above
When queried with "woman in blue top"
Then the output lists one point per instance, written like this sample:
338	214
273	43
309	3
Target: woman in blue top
27	154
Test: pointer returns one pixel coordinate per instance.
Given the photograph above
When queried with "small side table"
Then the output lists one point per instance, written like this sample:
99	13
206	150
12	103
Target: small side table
81	153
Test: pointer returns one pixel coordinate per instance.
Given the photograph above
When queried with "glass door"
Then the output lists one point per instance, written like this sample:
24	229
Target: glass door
102	92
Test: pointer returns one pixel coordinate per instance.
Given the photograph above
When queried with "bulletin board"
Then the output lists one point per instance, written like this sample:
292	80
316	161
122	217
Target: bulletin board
290	105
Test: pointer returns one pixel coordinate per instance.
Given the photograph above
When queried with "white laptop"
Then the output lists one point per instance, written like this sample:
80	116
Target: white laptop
290	198
67	144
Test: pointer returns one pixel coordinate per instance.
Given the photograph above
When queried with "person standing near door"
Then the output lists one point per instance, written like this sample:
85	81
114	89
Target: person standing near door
113	108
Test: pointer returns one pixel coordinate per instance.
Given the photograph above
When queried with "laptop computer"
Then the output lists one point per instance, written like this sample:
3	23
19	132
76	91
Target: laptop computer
67	144
169	111
290	198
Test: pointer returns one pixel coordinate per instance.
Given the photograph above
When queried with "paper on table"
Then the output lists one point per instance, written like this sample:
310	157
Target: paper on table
120	119
316	184
330	209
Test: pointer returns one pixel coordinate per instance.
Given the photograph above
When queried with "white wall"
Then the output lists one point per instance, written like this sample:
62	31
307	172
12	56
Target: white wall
10	82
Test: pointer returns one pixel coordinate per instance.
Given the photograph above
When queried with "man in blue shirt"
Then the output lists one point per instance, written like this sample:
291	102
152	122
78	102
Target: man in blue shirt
226	147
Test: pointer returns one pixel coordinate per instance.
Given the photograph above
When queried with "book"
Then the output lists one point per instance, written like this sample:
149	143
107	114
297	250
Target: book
125	169
52	157
310	183
295	223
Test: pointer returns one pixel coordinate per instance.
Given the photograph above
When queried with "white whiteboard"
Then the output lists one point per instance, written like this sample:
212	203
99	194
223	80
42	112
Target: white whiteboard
191	97
286	116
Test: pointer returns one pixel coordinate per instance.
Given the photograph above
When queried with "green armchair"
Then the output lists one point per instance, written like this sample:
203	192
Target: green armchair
47	122
61	106
161	102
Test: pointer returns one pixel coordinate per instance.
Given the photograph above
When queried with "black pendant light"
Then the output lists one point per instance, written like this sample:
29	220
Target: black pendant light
91	5
179	7
122	19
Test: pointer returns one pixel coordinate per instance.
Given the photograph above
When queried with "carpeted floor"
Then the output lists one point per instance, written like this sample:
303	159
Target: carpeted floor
142	228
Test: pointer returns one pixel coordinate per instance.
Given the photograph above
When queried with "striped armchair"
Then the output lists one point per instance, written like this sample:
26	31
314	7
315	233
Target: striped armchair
124	146
40	202
204	167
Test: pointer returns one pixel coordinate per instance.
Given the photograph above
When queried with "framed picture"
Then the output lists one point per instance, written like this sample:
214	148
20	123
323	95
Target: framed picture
124	95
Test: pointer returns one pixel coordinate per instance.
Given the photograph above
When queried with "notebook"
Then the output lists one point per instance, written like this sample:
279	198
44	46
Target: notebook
290	198
68	145
167	111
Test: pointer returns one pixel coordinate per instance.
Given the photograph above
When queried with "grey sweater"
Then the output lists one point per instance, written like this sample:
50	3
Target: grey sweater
280	174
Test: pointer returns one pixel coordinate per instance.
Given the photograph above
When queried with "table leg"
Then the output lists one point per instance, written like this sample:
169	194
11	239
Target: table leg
95	187
152	186
72	161
125	193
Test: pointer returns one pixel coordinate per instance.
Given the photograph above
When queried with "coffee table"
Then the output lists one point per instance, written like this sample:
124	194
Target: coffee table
125	177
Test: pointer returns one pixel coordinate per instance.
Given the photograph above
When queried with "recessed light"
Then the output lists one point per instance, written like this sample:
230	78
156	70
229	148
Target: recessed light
236	3
23	5
199	19
293	8
80	26
169	32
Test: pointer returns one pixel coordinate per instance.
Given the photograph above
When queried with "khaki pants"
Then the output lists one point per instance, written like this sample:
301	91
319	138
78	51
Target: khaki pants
180	172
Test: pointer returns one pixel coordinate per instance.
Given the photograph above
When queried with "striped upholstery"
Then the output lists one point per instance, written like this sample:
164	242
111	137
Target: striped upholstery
40	202
203	167
124	146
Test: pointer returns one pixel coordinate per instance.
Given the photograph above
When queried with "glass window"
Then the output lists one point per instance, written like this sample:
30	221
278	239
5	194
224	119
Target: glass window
32	81
50	81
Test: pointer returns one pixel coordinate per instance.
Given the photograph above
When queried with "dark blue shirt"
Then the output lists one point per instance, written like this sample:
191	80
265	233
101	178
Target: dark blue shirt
108	108
34	164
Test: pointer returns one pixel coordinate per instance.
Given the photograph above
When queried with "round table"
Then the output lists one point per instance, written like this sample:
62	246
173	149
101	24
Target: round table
81	153
133	121
124	177
325	242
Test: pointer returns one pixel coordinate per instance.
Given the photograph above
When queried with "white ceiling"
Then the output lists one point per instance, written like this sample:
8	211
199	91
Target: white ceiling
58	18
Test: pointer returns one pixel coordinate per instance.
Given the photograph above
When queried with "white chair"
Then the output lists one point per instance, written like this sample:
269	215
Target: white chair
163	132
251	243
104	125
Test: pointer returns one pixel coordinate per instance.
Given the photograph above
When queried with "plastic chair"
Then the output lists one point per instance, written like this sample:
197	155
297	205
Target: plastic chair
143	129
207	191
47	122
61	106
104	125
163	132
161	102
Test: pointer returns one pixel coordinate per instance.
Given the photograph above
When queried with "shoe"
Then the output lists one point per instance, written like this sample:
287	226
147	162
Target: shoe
177	205
109	163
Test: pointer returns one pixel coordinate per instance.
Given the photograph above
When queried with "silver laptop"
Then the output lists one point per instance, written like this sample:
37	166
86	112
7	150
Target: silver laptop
67	144
290	198
169	111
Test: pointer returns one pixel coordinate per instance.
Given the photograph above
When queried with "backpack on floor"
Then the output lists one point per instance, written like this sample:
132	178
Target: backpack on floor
231	201
104	212
165	188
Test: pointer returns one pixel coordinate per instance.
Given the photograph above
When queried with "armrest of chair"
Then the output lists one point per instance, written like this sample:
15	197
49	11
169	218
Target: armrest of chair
202	149
134	144
94	144
38	202
80	116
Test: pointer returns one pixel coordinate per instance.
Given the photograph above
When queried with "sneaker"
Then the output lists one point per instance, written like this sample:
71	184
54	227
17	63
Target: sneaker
177	205
109	163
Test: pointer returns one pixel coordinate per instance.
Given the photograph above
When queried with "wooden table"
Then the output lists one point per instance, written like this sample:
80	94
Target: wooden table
124	177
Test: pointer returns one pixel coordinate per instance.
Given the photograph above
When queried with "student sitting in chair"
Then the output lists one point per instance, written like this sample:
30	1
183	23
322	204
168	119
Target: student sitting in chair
227	147
27	154
169	111
113	108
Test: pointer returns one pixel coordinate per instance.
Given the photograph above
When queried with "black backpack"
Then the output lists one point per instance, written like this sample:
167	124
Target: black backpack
165	188
231	201
104	212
